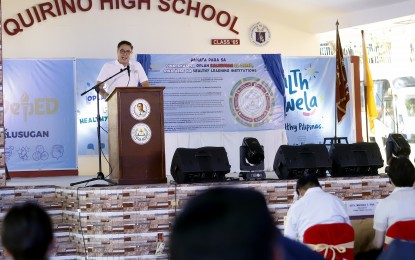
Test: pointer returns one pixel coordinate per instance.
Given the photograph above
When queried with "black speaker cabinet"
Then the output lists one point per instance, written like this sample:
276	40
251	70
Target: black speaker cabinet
358	159
205	164
291	161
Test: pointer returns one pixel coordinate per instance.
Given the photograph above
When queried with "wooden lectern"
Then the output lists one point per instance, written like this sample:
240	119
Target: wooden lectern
136	135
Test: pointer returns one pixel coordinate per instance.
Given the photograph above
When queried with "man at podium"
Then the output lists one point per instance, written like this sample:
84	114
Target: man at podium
133	71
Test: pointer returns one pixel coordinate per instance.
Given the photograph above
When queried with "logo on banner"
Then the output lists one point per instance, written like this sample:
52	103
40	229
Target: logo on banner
251	102
260	35
140	109
141	133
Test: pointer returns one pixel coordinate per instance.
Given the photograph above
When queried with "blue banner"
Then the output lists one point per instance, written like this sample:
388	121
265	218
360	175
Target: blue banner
87	71
39	114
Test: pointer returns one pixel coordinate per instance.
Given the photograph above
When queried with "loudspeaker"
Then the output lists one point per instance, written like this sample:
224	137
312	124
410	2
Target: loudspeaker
205	164
293	161
358	159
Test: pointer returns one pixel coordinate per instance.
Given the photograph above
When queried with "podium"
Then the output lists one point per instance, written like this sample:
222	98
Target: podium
136	135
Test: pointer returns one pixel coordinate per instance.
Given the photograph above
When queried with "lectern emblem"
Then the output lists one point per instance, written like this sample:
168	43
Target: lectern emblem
141	133
140	109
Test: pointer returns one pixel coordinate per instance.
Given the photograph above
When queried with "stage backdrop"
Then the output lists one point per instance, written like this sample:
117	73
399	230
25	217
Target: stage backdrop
203	93
210	100
39	114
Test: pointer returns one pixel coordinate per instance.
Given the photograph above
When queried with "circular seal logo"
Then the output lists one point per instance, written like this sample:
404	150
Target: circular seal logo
260	35
140	109
141	133
251	101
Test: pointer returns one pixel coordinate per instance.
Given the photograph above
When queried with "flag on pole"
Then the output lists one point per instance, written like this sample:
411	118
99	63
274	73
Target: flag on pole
371	110
342	89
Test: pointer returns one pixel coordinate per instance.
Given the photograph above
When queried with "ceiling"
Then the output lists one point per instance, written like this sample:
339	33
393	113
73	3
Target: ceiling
317	16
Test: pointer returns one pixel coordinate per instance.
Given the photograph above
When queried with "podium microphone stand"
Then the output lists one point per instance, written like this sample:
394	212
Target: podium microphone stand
100	175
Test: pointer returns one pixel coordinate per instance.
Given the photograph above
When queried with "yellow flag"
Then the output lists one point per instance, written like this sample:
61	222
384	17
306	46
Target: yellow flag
371	110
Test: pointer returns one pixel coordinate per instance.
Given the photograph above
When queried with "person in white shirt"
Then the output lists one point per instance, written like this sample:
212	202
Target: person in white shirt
315	206
399	205
130	77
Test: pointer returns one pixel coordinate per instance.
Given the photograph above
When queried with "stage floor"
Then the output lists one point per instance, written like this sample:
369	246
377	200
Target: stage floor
65	181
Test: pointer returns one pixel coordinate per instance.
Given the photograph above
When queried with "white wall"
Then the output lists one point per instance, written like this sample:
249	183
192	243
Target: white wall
94	34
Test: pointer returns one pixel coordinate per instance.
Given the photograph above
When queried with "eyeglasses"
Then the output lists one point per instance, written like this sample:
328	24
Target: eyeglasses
125	51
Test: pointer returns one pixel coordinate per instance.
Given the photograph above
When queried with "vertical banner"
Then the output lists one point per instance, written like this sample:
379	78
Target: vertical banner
310	108
39	114
87	71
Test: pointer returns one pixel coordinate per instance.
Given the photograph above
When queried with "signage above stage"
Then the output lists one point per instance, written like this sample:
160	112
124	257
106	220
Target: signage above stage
226	42
43	11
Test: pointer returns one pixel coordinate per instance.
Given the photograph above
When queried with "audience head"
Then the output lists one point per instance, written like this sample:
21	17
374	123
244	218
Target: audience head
401	171
306	181
27	232
224	224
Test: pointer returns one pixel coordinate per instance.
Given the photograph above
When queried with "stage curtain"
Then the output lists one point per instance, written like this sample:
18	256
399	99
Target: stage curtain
276	72
145	60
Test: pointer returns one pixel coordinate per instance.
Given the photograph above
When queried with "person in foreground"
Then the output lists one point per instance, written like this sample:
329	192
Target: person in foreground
132	75
313	207
27	232
399	205
398	249
231	224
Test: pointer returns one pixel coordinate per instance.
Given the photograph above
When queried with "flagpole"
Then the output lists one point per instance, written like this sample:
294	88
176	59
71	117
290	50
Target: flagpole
342	95
365	85
335	97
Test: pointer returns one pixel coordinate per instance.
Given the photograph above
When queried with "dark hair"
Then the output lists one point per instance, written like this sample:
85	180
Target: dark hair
307	180
27	232
224	224
401	171
125	43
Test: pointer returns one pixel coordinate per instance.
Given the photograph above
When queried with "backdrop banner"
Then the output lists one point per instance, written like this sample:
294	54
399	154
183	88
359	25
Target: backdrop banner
39	115
216	93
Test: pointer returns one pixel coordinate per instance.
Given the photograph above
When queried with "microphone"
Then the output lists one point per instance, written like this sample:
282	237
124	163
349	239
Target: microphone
128	70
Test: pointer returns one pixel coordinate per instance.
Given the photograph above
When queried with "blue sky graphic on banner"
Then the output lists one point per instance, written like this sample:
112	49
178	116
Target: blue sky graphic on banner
87	71
213	92
310	91
39	114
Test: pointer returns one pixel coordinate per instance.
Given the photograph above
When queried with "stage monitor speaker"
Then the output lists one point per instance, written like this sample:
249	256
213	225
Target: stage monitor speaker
205	164
358	159
291	161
